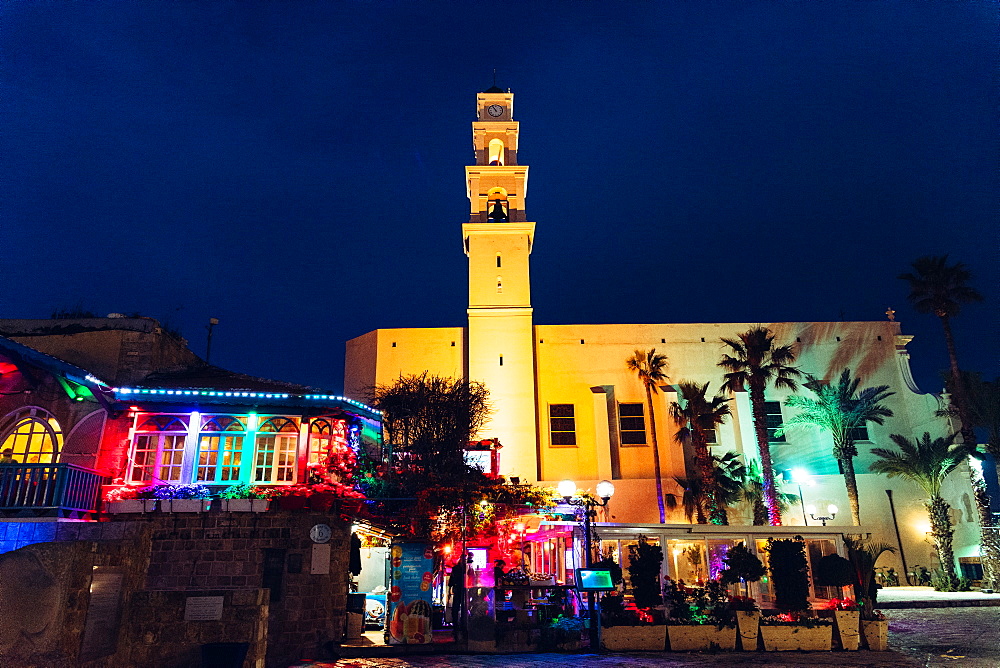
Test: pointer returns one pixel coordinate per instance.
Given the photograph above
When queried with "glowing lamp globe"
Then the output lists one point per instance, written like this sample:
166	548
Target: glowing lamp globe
811	509
832	509
605	489
566	488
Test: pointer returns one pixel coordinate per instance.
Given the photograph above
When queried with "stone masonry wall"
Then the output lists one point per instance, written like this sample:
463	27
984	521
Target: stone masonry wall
221	551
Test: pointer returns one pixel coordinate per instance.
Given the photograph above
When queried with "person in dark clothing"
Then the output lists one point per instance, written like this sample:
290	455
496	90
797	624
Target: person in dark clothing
456	582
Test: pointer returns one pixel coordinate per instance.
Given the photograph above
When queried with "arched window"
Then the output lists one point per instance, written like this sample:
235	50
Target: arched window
158	449
496	152
220	449
277	446
35	437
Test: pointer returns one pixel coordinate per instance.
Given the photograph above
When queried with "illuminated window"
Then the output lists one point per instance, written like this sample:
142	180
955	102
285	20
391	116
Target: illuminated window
158	449
277	445
324	434
35	437
496	152
562	424
220	449
773	414
632	424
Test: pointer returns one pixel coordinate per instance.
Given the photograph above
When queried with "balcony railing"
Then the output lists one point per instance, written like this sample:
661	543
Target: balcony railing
48	490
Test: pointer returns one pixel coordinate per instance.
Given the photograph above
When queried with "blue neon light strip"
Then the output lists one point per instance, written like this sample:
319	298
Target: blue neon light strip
248	395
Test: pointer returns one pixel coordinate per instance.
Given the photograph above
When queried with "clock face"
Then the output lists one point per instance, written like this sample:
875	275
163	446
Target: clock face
320	533
494	110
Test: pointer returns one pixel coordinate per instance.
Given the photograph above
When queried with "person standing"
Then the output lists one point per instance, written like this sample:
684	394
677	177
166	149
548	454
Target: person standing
456	582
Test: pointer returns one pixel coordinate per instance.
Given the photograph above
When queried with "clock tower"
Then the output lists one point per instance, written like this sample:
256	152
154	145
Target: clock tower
498	241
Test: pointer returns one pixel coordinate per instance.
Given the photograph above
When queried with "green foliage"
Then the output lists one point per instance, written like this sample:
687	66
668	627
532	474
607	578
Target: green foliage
863	554
242	490
834	571
742	566
789	573
609	564
925	461
645	560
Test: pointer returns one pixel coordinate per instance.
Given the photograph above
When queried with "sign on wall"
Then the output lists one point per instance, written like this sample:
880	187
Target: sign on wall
411	570
203	608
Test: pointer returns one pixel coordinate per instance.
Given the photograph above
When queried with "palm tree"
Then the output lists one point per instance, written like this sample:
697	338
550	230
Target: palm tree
841	409
728	477
753	493
650	367
692	500
696	416
927	463
756	362
984	410
939	288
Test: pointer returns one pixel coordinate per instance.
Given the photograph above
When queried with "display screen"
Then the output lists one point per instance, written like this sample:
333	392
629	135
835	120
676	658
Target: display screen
591	580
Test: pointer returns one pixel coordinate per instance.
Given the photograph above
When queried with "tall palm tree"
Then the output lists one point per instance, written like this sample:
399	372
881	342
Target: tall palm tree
650	367
984	410
754	362
692	500
753	493
939	288
841	409
729	479
928	462
697	415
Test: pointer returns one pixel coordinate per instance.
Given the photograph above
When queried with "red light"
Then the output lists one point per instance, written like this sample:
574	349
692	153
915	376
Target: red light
134	408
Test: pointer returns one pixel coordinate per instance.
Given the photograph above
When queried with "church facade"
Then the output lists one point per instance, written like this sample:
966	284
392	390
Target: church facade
566	406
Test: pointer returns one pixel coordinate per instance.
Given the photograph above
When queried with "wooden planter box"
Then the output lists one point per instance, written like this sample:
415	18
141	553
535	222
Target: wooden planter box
876	635
185	505
789	638
245	505
628	638
132	506
848	629
701	637
748	624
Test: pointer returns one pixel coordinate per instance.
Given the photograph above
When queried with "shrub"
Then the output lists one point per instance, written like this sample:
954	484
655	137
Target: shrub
194	491
789	573
834	571
122	494
242	490
645	560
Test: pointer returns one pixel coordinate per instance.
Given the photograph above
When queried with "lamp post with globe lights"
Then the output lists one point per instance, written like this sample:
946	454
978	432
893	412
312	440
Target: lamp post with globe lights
831	511
605	490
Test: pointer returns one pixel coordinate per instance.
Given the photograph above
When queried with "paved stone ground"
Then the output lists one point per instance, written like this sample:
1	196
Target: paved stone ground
961	637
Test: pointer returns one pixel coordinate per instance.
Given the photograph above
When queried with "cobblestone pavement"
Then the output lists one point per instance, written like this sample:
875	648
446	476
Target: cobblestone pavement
961	637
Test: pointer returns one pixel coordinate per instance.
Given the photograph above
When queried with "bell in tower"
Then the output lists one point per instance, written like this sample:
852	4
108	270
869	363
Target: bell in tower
497	211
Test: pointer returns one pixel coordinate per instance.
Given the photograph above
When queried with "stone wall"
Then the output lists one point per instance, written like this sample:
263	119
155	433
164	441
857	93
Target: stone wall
215	551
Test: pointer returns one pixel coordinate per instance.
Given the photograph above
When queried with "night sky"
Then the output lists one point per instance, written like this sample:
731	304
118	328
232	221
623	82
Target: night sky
295	169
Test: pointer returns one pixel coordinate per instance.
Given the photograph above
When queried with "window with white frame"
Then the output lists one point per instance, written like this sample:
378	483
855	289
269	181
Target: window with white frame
158	449
220	449
562	424
276	450
632	424
324	434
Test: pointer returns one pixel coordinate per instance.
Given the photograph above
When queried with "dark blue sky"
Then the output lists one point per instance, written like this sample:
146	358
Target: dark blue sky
295	169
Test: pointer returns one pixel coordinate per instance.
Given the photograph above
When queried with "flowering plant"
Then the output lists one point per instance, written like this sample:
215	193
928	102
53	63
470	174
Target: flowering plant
125	493
841	604
788	619
242	490
287	490
194	491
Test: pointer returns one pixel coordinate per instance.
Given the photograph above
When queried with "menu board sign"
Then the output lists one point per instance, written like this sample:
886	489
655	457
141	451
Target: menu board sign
411	569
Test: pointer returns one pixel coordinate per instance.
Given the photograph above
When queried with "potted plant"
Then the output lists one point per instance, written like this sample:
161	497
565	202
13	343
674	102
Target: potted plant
192	498
126	500
699	617
793	630
647	630
244	498
566	632
290	497
835	571
863	554
742	568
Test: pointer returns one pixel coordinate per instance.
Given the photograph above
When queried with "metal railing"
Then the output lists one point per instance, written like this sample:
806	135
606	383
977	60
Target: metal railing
49	487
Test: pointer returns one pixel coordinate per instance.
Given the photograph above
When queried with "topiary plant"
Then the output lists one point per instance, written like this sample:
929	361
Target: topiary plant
645	560
742	567
789	573
834	571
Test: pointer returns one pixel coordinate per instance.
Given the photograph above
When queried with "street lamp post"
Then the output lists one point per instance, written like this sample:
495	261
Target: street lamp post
830	509
605	490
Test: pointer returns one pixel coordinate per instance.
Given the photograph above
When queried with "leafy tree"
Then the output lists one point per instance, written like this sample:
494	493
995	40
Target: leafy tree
786	559
650	367
697	415
840	409
644	562
429	421
742	567
755	362
927	462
